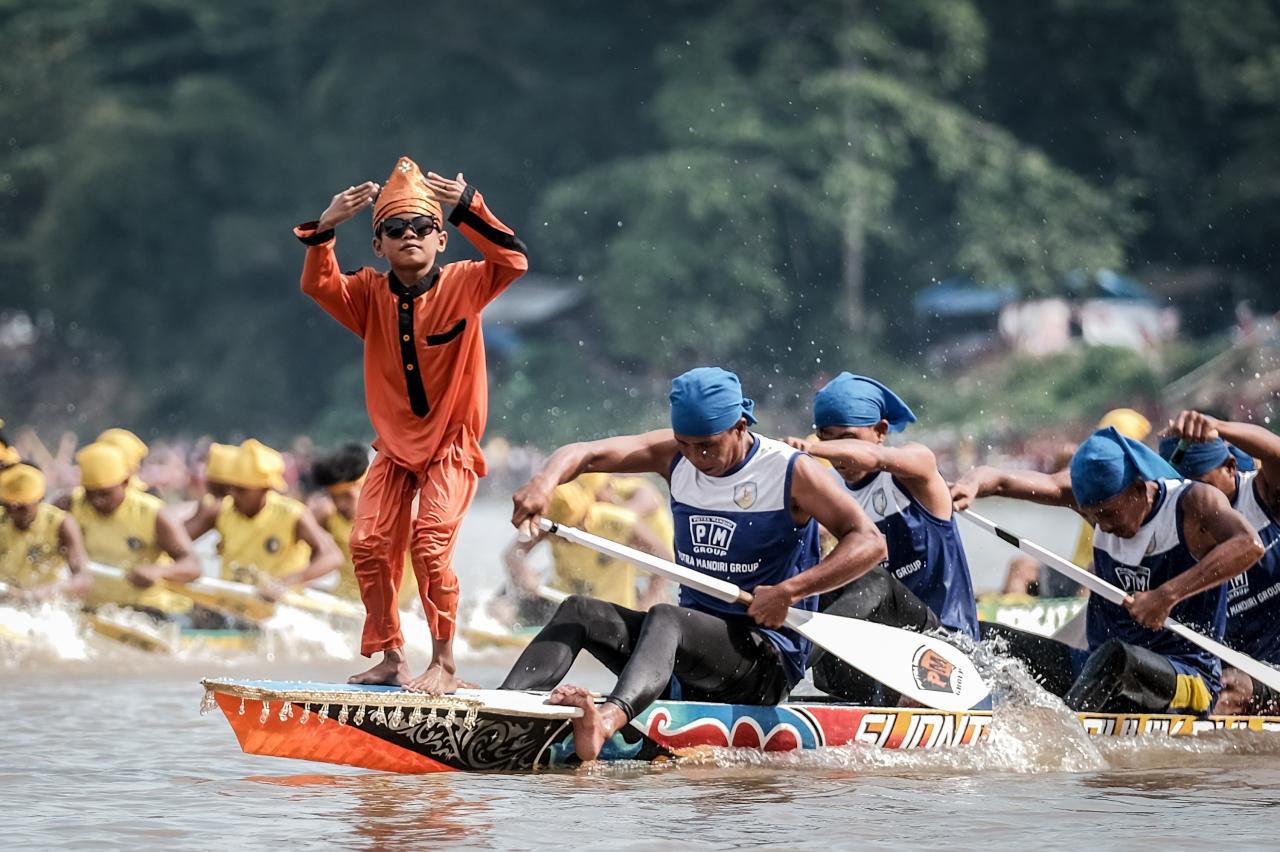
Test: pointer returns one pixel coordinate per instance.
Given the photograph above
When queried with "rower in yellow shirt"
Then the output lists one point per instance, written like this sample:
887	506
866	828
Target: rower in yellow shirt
39	543
578	570
126	528
267	539
341	474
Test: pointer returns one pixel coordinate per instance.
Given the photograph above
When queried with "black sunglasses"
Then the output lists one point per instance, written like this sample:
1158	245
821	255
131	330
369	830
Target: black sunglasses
421	225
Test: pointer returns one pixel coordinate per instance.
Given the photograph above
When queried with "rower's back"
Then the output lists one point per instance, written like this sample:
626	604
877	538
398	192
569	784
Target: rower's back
1253	597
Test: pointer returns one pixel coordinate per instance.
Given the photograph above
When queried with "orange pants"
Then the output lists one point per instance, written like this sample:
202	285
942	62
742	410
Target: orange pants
382	530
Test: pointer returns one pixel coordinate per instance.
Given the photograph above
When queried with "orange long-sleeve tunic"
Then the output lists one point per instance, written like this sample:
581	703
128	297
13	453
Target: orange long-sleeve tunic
424	363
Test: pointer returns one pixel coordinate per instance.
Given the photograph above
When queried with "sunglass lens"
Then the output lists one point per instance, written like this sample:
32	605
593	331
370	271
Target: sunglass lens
394	228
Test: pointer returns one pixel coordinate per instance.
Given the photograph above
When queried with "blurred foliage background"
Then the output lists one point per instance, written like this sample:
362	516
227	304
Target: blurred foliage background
761	185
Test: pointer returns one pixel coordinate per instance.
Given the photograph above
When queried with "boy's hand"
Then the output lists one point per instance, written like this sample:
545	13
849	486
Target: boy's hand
446	191
347	204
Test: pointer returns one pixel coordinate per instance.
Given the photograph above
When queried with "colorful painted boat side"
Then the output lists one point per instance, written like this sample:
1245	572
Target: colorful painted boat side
389	730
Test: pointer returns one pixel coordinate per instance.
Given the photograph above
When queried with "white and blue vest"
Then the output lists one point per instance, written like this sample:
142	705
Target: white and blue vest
925	552
1140	564
738	527
1253	598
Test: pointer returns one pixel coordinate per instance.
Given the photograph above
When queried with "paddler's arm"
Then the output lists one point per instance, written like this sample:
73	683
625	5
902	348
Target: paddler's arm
71	543
651	452
173	540
859	545
203	518
516	560
325	556
322	279
506	257
1257	441
914	465
1218	536
1050	489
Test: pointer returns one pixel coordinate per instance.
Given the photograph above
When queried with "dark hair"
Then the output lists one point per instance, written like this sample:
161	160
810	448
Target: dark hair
347	463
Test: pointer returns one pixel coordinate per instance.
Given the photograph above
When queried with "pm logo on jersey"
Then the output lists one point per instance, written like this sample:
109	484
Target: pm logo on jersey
934	672
1134	579
711	534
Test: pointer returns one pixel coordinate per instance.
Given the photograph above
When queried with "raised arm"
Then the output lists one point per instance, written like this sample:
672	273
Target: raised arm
1257	441
322	279
651	452
1218	536
505	256
1051	489
859	545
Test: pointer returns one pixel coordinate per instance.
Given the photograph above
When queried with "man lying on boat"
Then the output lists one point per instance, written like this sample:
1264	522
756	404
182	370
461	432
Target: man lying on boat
1221	453
1169	543
746	510
925	582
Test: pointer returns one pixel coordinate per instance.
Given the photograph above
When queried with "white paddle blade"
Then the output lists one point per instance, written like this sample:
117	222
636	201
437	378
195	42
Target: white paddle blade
922	668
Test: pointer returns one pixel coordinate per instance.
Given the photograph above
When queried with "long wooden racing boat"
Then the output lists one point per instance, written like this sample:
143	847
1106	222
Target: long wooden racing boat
389	730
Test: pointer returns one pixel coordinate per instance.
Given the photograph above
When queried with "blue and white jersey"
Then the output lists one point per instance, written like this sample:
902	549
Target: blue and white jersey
1253	598
925	552
1140	564
738	527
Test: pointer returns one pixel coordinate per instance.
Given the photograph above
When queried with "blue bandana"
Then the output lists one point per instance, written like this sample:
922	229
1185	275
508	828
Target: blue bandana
850	400
1202	457
708	401
1108	463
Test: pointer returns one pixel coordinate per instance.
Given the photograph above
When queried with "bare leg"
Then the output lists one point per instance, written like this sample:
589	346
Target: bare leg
441	676
1236	695
392	671
595	725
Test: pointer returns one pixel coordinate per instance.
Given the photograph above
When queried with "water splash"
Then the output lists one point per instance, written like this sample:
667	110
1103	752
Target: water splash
50	632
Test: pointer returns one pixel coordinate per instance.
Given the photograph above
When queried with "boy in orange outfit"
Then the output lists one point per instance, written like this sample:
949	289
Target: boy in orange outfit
426	392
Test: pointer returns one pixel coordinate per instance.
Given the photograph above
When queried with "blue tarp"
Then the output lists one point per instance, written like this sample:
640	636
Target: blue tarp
961	297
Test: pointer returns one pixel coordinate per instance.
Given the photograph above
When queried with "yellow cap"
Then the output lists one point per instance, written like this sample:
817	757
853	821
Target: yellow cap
102	466
256	466
592	483
569	504
133	447
220	466
1127	422
21	484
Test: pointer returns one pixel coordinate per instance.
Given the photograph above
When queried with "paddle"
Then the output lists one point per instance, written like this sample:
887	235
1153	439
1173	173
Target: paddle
244	600
1255	669
923	668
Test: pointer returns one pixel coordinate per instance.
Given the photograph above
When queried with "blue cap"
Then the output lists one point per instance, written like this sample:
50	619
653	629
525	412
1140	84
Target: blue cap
1203	456
1108	463
707	401
849	400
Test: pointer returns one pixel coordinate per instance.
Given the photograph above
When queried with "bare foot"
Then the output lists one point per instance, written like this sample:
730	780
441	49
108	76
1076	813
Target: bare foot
392	671
594	726
436	680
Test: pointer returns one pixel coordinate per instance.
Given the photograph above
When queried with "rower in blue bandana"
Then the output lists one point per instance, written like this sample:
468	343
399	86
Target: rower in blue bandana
925	580
1170	543
1221	453
746	509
